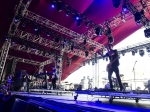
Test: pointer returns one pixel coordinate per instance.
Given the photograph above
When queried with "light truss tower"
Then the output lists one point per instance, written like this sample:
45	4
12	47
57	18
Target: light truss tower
61	65
54	26
4	53
13	66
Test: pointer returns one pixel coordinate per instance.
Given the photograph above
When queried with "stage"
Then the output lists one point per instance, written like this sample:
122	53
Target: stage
119	105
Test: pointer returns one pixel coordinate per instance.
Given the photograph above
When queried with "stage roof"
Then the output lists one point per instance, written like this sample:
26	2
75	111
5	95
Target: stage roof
95	11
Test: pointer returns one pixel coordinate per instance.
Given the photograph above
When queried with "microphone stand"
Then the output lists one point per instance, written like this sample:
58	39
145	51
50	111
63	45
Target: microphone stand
134	74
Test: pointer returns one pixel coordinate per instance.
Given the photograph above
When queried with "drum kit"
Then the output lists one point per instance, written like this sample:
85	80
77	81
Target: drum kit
115	83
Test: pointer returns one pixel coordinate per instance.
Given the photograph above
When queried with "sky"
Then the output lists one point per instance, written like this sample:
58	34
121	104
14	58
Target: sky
98	72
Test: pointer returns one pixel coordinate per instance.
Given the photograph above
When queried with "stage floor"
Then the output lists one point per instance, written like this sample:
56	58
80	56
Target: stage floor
119	105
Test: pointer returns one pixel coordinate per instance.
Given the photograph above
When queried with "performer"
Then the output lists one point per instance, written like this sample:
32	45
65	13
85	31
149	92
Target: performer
9	81
113	65
54	78
26	81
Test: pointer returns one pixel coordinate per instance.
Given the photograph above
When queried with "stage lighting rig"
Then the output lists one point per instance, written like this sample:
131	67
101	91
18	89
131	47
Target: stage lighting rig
141	52
147	33
116	3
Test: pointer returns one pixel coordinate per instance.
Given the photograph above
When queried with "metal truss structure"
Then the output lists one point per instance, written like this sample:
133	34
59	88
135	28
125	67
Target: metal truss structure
4	53
24	60
48	43
41	67
13	68
29	50
61	66
134	47
119	19
54	26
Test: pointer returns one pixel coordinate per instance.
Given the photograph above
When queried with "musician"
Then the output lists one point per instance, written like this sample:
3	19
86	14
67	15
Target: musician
9	81
26	80
54	78
113	65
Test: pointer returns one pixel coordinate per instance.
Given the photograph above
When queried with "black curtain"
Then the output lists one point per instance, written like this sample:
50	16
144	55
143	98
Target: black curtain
7	70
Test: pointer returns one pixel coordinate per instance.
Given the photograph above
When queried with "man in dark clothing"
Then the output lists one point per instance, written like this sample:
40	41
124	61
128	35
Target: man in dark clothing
113	65
54	78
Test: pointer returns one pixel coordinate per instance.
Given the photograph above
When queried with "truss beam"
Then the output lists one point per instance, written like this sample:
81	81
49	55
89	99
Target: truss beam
54	26
24	60
48	43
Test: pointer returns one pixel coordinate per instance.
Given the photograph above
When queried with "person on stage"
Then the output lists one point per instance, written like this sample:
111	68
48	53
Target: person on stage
54	78
113	65
9	82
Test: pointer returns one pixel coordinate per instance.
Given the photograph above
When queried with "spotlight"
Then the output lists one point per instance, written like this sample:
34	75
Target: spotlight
67	13
59	7
72	47
77	18
36	29
79	22
48	34
123	53
124	8
64	41
53	5
87	24
98	31
86	53
141	52
133	53
148	49
116	3
110	40
23	24
147	33
84	41
137	17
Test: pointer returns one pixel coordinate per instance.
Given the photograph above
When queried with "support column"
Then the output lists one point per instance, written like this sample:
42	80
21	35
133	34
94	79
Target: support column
61	65
41	67
4	53
13	66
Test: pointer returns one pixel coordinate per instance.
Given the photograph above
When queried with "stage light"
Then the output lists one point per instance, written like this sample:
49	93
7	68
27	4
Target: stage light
133	53
86	53
147	33
48	34
67	13
110	40
141	52
124	8
98	31
36	29
77	18
53	5
23	24
87	24
123	53
148	49
84	41
137	17
72	47
64	41
116	3
59	7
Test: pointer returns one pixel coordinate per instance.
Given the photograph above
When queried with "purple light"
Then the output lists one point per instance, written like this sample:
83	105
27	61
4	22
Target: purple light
16	20
13	42
77	18
53	6
124	9
6	39
36	29
67	15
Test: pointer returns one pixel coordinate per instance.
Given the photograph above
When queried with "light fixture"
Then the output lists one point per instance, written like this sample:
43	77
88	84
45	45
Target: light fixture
67	13
84	41
124	8
116	3
141	53
133	53
98	31
59	6
53	5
